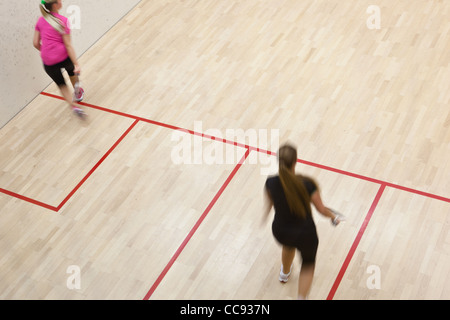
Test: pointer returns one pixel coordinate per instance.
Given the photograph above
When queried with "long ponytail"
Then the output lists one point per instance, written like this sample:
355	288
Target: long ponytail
46	7
296	194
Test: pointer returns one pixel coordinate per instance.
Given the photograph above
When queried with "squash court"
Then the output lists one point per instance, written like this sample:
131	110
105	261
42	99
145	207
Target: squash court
157	196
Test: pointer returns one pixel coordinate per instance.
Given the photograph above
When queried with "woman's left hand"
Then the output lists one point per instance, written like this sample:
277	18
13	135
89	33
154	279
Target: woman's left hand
77	70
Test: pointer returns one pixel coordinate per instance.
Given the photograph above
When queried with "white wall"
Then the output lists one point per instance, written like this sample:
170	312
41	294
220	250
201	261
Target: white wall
22	76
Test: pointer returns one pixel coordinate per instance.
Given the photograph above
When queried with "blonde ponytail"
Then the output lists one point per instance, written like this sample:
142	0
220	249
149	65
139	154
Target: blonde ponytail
296	194
46	6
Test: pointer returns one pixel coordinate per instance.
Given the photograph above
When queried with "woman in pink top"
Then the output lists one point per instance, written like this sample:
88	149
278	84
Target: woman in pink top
52	39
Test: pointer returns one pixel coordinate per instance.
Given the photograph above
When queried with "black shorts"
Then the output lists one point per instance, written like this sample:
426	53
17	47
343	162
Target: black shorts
55	72
305	240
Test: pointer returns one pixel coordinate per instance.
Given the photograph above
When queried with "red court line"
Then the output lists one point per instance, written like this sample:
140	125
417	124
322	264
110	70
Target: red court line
356	243
32	201
388	184
67	198
122	114
97	165
410	190
361	177
157	123
196	226
243	145
251	148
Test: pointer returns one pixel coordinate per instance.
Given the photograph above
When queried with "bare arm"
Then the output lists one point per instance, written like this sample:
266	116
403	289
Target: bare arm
317	202
37	40
71	52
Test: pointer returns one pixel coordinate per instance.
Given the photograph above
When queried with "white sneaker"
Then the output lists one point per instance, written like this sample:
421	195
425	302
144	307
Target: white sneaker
78	95
284	277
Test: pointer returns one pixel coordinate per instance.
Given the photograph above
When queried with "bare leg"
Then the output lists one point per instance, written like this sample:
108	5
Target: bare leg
287	256
305	280
75	106
67	95
74	80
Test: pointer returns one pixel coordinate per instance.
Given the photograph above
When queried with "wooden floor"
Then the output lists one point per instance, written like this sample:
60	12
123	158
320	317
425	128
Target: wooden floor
367	108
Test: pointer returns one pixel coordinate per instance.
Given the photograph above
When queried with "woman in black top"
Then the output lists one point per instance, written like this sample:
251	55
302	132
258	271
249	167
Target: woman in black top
293	225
